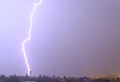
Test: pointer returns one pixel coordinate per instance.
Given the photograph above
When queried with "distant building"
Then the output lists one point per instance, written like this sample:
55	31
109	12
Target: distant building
106	75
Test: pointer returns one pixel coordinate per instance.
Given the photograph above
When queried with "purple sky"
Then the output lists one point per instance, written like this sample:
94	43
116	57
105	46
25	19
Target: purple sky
69	37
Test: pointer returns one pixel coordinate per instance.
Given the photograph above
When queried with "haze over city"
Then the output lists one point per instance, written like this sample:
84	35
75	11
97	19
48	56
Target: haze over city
69	37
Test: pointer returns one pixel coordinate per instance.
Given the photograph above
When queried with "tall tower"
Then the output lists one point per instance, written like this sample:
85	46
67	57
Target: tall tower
106	72
30	73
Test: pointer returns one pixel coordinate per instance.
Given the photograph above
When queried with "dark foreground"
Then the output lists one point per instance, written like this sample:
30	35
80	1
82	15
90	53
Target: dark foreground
14	78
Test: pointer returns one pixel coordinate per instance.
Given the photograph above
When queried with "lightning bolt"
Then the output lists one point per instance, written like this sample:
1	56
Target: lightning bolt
29	36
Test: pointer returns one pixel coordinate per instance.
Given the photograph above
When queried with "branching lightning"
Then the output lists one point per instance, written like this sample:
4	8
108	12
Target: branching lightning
29	36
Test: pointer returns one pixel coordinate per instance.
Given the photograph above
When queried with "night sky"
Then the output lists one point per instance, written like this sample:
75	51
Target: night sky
69	37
